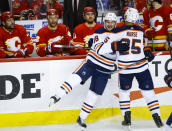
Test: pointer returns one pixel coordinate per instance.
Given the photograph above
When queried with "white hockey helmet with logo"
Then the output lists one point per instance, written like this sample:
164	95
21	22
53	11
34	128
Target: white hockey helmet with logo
110	16
131	15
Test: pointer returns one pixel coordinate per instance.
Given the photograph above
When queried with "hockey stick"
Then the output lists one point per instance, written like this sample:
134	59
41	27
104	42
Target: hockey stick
76	47
169	38
138	62
170	51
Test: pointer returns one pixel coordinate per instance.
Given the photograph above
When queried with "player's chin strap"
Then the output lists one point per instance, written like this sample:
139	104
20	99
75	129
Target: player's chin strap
138	62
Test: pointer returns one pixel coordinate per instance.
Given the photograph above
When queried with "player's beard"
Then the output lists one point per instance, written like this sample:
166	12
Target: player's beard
52	25
9	28
90	22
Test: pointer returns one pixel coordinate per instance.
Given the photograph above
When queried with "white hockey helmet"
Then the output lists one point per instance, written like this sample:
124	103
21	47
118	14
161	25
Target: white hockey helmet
110	16
131	15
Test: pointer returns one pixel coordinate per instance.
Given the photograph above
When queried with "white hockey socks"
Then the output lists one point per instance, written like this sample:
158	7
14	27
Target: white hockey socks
124	100
151	100
68	85
88	104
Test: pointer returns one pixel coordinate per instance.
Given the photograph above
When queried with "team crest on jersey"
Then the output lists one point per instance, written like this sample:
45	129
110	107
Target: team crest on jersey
12	44
55	39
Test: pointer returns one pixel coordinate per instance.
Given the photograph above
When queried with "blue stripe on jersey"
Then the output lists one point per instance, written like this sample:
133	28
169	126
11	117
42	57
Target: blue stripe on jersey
64	89
88	105
99	49
124	102
85	110
131	61
125	108
154	108
68	85
99	61
131	68
153	102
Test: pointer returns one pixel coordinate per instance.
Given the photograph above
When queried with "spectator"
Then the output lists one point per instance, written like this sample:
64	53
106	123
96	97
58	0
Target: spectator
19	6
14	40
83	31
51	35
27	9
35	6
157	24
52	4
73	12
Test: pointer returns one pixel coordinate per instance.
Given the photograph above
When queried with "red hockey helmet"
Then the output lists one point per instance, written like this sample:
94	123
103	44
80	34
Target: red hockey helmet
52	12
88	9
6	15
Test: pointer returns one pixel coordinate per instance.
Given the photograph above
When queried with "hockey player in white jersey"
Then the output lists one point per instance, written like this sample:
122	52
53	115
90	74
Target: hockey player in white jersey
97	65
133	35
168	80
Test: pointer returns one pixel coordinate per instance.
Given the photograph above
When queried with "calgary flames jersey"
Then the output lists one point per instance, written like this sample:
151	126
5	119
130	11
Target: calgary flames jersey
13	41
82	34
46	36
161	20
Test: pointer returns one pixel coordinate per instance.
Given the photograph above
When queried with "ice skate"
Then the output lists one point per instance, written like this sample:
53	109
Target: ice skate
157	120
53	100
127	121
82	124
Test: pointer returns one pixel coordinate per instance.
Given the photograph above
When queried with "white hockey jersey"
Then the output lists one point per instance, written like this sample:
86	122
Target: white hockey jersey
105	60
134	36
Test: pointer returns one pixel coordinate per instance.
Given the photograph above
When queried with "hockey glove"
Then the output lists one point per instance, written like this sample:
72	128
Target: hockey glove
19	53
53	49
90	42
148	54
29	48
41	50
120	46
168	79
150	33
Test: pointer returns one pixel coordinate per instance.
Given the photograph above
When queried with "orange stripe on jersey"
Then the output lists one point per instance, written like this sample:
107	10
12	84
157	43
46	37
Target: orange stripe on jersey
101	58
66	87
133	65
98	46
125	105
153	105
79	66
86	108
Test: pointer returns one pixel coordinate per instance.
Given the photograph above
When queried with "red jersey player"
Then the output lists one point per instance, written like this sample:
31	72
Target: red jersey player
51	35
82	32
14	40
157	24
